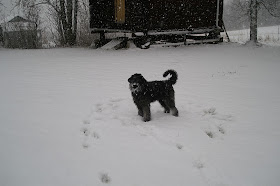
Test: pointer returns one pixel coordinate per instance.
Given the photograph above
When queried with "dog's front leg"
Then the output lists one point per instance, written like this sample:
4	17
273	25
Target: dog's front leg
146	113
140	110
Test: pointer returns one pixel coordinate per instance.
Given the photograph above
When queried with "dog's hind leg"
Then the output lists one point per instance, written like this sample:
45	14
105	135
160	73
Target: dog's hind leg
174	111
171	104
166	108
146	113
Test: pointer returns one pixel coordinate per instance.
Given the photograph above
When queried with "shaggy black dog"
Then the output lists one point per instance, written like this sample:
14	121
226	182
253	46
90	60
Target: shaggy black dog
144	92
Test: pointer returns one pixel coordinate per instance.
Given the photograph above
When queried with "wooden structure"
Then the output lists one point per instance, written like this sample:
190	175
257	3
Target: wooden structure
18	32
157	19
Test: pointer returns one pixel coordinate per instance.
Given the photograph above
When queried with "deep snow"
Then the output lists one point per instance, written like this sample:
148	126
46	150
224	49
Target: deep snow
67	117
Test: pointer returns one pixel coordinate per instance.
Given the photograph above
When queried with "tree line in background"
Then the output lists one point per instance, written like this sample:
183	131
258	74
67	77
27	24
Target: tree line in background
236	14
69	19
241	14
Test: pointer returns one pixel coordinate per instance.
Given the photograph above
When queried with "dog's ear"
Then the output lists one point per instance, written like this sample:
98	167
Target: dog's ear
141	79
133	77
136	78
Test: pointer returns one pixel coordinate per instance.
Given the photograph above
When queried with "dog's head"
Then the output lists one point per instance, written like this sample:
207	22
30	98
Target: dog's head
136	81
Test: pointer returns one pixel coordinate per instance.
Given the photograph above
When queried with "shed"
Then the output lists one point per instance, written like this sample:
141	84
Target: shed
158	19
18	32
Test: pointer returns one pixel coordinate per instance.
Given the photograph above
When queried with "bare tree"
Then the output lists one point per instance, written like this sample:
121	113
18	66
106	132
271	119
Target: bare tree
249	9
55	27
253	21
84	37
1	31
1	6
65	15
32	13
271	6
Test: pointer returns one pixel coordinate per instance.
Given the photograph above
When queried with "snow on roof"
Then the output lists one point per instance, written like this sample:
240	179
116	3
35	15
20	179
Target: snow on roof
19	19
14	18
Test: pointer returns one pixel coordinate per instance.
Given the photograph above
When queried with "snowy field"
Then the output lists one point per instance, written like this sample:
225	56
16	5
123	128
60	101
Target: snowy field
67	118
267	35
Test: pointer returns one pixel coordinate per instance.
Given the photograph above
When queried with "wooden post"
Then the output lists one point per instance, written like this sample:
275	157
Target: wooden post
185	39
120	11
278	32
218	13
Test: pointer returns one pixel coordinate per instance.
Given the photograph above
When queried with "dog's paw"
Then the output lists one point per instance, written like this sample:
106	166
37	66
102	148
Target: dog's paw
140	113
166	111
146	119
175	112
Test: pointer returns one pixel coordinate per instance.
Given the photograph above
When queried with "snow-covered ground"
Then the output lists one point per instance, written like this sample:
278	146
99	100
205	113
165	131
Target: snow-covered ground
268	35
67	118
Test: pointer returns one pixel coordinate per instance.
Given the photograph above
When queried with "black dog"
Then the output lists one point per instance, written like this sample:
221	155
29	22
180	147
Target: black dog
144	92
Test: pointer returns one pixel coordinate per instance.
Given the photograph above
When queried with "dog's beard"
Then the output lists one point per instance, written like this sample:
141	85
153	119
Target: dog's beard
134	87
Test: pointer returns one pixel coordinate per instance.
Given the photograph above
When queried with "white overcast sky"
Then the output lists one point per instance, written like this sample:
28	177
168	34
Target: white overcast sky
8	5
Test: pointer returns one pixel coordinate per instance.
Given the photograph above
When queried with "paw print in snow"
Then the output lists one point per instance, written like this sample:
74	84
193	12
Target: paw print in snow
104	178
210	111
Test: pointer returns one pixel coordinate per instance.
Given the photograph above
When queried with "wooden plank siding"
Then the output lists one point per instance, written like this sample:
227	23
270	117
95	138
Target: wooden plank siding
143	15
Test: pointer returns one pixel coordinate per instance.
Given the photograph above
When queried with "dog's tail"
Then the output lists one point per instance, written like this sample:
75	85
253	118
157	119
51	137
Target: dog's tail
174	76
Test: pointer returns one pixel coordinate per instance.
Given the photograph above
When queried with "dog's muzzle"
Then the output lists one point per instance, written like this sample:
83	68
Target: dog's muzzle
134	87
